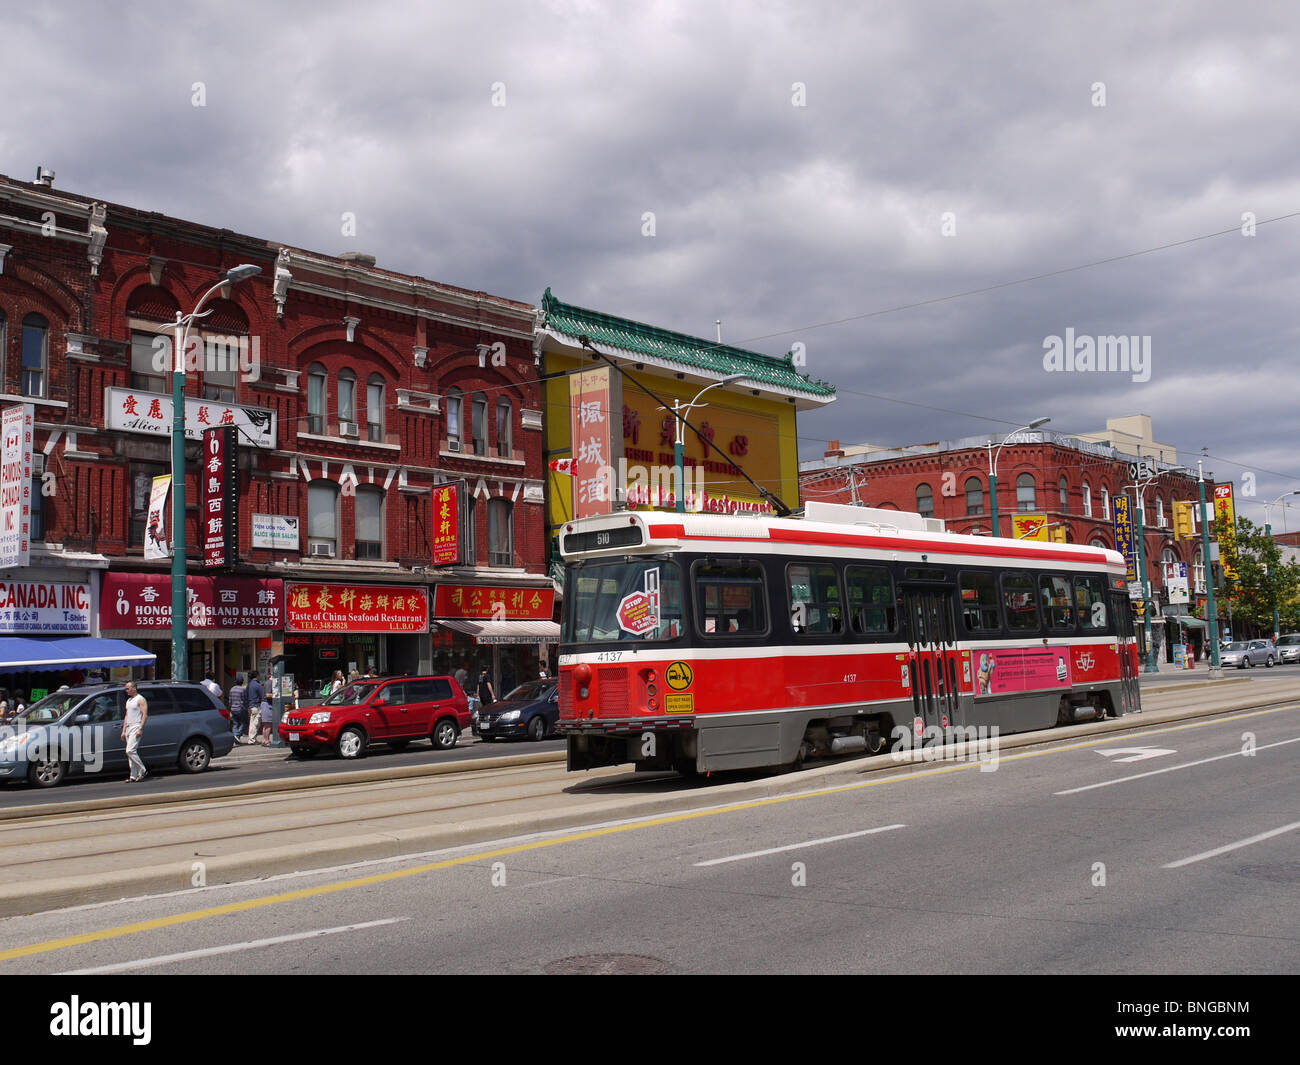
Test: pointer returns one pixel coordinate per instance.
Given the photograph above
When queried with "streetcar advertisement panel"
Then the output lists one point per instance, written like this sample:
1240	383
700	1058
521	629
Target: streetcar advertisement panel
1022	669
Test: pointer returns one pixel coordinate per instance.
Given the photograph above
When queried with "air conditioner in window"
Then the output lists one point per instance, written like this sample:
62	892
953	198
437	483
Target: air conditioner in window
348	429
322	550
453	445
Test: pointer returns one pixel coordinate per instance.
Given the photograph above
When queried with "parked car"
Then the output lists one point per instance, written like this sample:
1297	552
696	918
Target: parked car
1243	653
391	710
79	731
531	710
1288	647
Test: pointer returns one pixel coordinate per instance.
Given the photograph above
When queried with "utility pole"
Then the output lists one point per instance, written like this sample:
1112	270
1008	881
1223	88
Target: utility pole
1211	615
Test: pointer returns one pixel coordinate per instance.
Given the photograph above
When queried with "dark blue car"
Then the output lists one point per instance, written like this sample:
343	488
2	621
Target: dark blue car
530	710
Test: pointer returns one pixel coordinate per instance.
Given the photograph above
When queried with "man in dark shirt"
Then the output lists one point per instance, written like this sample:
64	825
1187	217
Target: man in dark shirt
256	696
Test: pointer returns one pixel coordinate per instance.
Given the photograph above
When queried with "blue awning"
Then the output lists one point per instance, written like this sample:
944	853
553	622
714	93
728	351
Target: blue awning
24	654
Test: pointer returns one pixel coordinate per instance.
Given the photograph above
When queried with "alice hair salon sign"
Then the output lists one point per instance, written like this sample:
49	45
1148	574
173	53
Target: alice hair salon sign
131	411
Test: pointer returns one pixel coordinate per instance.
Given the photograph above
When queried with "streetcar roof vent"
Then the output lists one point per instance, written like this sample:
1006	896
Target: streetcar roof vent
843	514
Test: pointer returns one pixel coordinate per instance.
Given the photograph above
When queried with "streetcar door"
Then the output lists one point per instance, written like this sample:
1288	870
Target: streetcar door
1121	610
933	656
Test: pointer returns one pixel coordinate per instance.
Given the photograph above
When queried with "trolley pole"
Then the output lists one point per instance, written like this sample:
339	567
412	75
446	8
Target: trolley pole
1211	614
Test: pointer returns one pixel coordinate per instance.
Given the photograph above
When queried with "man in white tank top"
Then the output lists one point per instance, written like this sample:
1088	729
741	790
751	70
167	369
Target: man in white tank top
137	712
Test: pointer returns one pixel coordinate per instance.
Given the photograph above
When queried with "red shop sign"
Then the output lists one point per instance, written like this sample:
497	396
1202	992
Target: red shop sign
144	601
486	601
356	608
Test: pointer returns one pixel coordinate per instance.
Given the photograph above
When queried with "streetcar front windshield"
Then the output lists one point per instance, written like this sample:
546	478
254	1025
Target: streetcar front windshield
623	601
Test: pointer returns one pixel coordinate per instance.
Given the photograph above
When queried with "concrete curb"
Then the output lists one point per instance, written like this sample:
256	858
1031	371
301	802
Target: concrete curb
56	893
263	787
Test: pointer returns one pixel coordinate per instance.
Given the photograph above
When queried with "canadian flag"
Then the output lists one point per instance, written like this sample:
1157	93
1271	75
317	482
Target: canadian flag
562	466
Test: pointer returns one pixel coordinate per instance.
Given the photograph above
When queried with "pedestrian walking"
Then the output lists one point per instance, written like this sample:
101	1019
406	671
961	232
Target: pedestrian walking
462	677
238	707
256	697
137	712
211	684
486	696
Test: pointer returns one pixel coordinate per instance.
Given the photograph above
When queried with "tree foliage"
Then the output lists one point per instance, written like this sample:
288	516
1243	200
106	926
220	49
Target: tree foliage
1263	578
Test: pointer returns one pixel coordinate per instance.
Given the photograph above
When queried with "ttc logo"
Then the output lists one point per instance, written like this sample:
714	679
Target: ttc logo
1084	662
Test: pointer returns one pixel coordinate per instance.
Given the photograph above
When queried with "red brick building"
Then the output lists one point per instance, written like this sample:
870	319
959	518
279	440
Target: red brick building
1071	483
360	393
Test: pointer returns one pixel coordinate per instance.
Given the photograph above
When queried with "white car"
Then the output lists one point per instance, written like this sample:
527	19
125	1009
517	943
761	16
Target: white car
1288	647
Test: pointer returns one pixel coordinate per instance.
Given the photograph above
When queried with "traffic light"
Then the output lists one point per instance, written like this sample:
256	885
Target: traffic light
1183	526
1059	534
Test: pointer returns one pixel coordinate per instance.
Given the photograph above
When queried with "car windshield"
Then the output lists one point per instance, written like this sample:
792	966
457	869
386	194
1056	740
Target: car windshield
351	694
52	707
632	600
532	691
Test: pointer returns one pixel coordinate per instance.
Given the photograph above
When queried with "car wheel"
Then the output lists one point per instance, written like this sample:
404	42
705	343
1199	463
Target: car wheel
1246	662
352	743
537	728
194	756
304	752
1269	664
47	773
445	734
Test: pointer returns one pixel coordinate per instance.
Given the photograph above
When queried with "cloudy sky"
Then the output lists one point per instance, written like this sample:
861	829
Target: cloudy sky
804	163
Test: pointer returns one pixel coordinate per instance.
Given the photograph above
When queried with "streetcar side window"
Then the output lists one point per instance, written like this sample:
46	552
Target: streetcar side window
1057	609
730	598
979	602
871	599
1018	602
815	608
1090	600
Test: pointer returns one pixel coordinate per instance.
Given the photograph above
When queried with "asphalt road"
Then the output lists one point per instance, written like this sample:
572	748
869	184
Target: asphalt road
246	764
1172	851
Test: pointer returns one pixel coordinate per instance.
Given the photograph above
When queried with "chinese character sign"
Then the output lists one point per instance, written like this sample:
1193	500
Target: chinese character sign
356	608
446	542
1124	535
219	496
593	395
485	602
17	426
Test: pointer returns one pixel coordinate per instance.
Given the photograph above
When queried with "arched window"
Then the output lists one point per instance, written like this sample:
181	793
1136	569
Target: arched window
1096	541
925	500
1064	486
323	519
1198	572
1026	493
974	496
1087	500
1160	512
375	409
501	536
453	419
225	349
36	344
370	523
505	434
479	424
347	398
151	361
1105	503
316	388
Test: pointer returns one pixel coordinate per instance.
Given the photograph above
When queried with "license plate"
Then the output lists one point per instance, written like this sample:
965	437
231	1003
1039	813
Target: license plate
293	737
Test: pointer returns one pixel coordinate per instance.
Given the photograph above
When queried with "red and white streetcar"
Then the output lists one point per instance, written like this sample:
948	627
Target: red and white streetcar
701	642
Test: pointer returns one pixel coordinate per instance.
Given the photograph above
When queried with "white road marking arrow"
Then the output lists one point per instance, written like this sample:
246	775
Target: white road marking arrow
1136	754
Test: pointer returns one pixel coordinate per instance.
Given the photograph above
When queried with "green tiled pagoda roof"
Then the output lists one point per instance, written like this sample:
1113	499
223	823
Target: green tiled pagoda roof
687	351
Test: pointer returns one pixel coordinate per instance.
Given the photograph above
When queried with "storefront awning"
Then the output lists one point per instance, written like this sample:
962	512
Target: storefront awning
22	654
490	632
1190	622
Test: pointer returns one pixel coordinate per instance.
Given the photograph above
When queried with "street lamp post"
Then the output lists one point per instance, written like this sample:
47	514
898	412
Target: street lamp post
1268	533
1139	489
1211	614
993	468
180	613
679	447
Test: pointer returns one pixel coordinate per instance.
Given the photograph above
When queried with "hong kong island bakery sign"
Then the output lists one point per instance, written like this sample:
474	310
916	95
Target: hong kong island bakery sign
144	601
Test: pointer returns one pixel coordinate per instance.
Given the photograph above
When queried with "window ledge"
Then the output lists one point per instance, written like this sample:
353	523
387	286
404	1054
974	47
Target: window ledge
471	457
6	397
347	441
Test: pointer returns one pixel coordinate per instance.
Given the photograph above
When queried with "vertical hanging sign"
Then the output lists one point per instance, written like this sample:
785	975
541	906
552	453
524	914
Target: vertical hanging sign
219	503
593	396
1124	543
17	426
158	519
446	526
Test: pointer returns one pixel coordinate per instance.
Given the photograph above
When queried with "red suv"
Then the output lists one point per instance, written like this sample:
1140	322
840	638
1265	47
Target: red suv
391	710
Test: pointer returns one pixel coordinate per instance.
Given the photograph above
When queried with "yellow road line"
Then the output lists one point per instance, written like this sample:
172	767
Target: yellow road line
244	905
